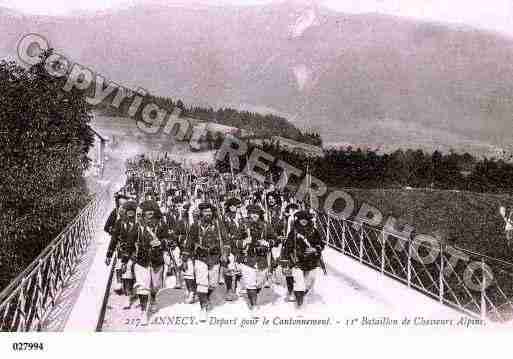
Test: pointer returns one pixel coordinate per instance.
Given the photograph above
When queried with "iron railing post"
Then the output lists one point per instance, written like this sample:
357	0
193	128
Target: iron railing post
382	252
483	290
361	242
40	297
328	229
408	263
441	276
21	306
343	236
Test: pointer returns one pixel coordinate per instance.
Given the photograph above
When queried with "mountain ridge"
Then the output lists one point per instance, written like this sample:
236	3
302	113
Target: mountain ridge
343	68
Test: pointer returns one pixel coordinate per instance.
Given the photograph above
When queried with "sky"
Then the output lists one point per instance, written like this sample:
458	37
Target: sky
495	15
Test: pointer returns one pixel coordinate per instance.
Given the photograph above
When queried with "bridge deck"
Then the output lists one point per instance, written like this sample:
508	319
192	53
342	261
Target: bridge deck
349	291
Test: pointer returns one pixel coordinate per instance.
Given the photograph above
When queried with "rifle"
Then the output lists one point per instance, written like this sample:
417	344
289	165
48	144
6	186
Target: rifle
323	264
218	204
173	262
140	232
268	218
219	235
321	259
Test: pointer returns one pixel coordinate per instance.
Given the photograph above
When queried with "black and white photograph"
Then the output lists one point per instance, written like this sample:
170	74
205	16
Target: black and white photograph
230	167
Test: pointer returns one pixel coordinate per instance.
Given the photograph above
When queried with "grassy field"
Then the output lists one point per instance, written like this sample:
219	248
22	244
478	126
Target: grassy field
464	219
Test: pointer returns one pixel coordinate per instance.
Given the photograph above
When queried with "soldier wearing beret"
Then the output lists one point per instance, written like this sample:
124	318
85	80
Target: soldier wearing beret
302	250
150	246
124	234
275	218
255	242
204	245
232	231
116	213
288	216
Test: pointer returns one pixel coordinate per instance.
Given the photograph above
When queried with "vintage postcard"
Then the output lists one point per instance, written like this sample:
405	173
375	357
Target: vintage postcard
254	168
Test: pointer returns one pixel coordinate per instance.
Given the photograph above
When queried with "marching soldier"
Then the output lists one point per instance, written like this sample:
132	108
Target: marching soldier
203	250
178	226
116	214
288	216
123	240
274	204
173	213
302	250
119	200
150	196
231	253
150	246
187	260
255	243
205	244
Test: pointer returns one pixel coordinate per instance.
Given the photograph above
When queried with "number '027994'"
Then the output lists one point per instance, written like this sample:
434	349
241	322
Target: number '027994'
24	346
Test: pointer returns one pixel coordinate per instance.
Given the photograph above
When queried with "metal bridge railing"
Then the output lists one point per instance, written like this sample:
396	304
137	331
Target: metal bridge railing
471	282
28	300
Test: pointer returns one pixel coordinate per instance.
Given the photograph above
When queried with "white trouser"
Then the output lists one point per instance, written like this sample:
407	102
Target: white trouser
232	268
303	280
117	269
275	252
205	278
148	279
129	274
253	278
177	256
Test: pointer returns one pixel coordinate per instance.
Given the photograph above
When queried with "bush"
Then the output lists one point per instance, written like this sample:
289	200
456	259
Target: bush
45	139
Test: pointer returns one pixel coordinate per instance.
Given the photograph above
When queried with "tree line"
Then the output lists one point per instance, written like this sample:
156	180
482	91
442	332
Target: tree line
354	167
261	126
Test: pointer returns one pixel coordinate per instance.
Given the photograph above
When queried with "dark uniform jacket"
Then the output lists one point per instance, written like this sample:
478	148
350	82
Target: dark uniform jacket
232	232
255	253
111	220
299	247
277	223
204	242
146	255
177	228
172	217
124	235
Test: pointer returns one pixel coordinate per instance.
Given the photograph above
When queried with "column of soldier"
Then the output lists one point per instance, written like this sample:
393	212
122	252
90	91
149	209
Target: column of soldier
206	230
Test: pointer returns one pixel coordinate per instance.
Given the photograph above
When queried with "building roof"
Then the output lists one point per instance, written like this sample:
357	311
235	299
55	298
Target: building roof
298	146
